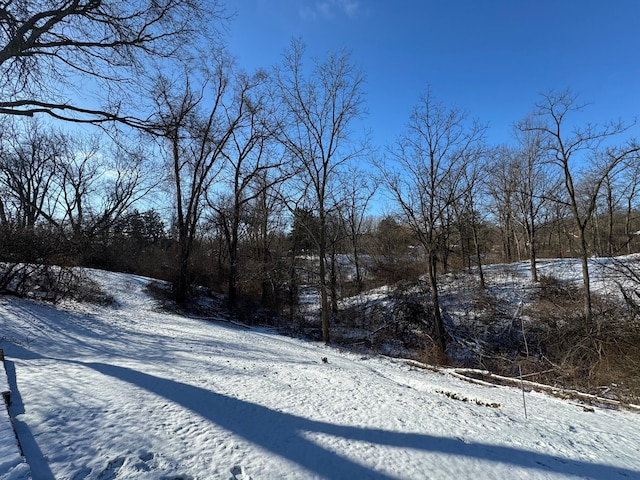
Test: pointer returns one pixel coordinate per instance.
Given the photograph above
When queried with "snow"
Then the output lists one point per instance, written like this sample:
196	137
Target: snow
127	391
12	465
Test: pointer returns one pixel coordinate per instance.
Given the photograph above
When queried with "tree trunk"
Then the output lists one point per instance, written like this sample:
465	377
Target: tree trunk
584	259
233	276
182	282
627	226
464	251
531	235
476	241
610	208
324	299
356	261
268	292
324	294
293	285
233	259
532	259
334	280
441	341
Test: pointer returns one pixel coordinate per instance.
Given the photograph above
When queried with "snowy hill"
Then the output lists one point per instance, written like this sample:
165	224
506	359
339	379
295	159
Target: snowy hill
127	391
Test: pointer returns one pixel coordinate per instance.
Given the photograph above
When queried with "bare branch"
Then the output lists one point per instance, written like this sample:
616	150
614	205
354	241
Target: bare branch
48	48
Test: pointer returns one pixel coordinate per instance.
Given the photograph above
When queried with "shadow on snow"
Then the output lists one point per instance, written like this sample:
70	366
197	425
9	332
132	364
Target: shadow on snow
35	458
283	434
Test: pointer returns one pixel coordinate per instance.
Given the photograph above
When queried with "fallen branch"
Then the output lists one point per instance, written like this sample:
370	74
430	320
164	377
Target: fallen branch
488	379
473	374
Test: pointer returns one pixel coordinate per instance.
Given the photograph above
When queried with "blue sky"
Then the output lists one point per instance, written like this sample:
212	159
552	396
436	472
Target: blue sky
491	58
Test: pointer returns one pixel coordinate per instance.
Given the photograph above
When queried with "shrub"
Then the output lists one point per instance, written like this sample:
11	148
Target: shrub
49	283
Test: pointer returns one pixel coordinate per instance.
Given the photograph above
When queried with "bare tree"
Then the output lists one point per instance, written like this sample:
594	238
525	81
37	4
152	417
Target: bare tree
534	184
248	161
69	185
566	148
29	160
96	187
197	128
320	108
357	190
473	181
609	199
429	162
631	181
47	47
78	177
501	187
268	225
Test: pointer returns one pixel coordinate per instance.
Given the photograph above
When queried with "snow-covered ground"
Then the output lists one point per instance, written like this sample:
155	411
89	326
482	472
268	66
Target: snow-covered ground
129	392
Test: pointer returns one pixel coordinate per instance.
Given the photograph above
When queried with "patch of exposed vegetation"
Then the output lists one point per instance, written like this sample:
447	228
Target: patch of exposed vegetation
50	283
462	398
537	331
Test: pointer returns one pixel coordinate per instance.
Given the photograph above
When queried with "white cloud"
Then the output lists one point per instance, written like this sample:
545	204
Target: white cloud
330	9
351	7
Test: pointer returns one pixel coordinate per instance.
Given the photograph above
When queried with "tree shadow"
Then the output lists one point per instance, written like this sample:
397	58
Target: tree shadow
283	434
35	458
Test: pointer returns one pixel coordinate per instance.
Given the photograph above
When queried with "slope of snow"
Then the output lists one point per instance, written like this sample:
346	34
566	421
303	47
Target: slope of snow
126	391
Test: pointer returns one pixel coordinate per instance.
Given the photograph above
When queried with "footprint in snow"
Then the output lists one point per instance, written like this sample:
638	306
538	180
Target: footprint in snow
239	473
112	469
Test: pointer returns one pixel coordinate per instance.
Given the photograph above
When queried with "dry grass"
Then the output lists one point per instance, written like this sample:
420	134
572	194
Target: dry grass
601	356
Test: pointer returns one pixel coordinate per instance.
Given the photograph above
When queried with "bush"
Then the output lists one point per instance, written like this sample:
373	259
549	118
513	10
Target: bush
49	283
601	356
